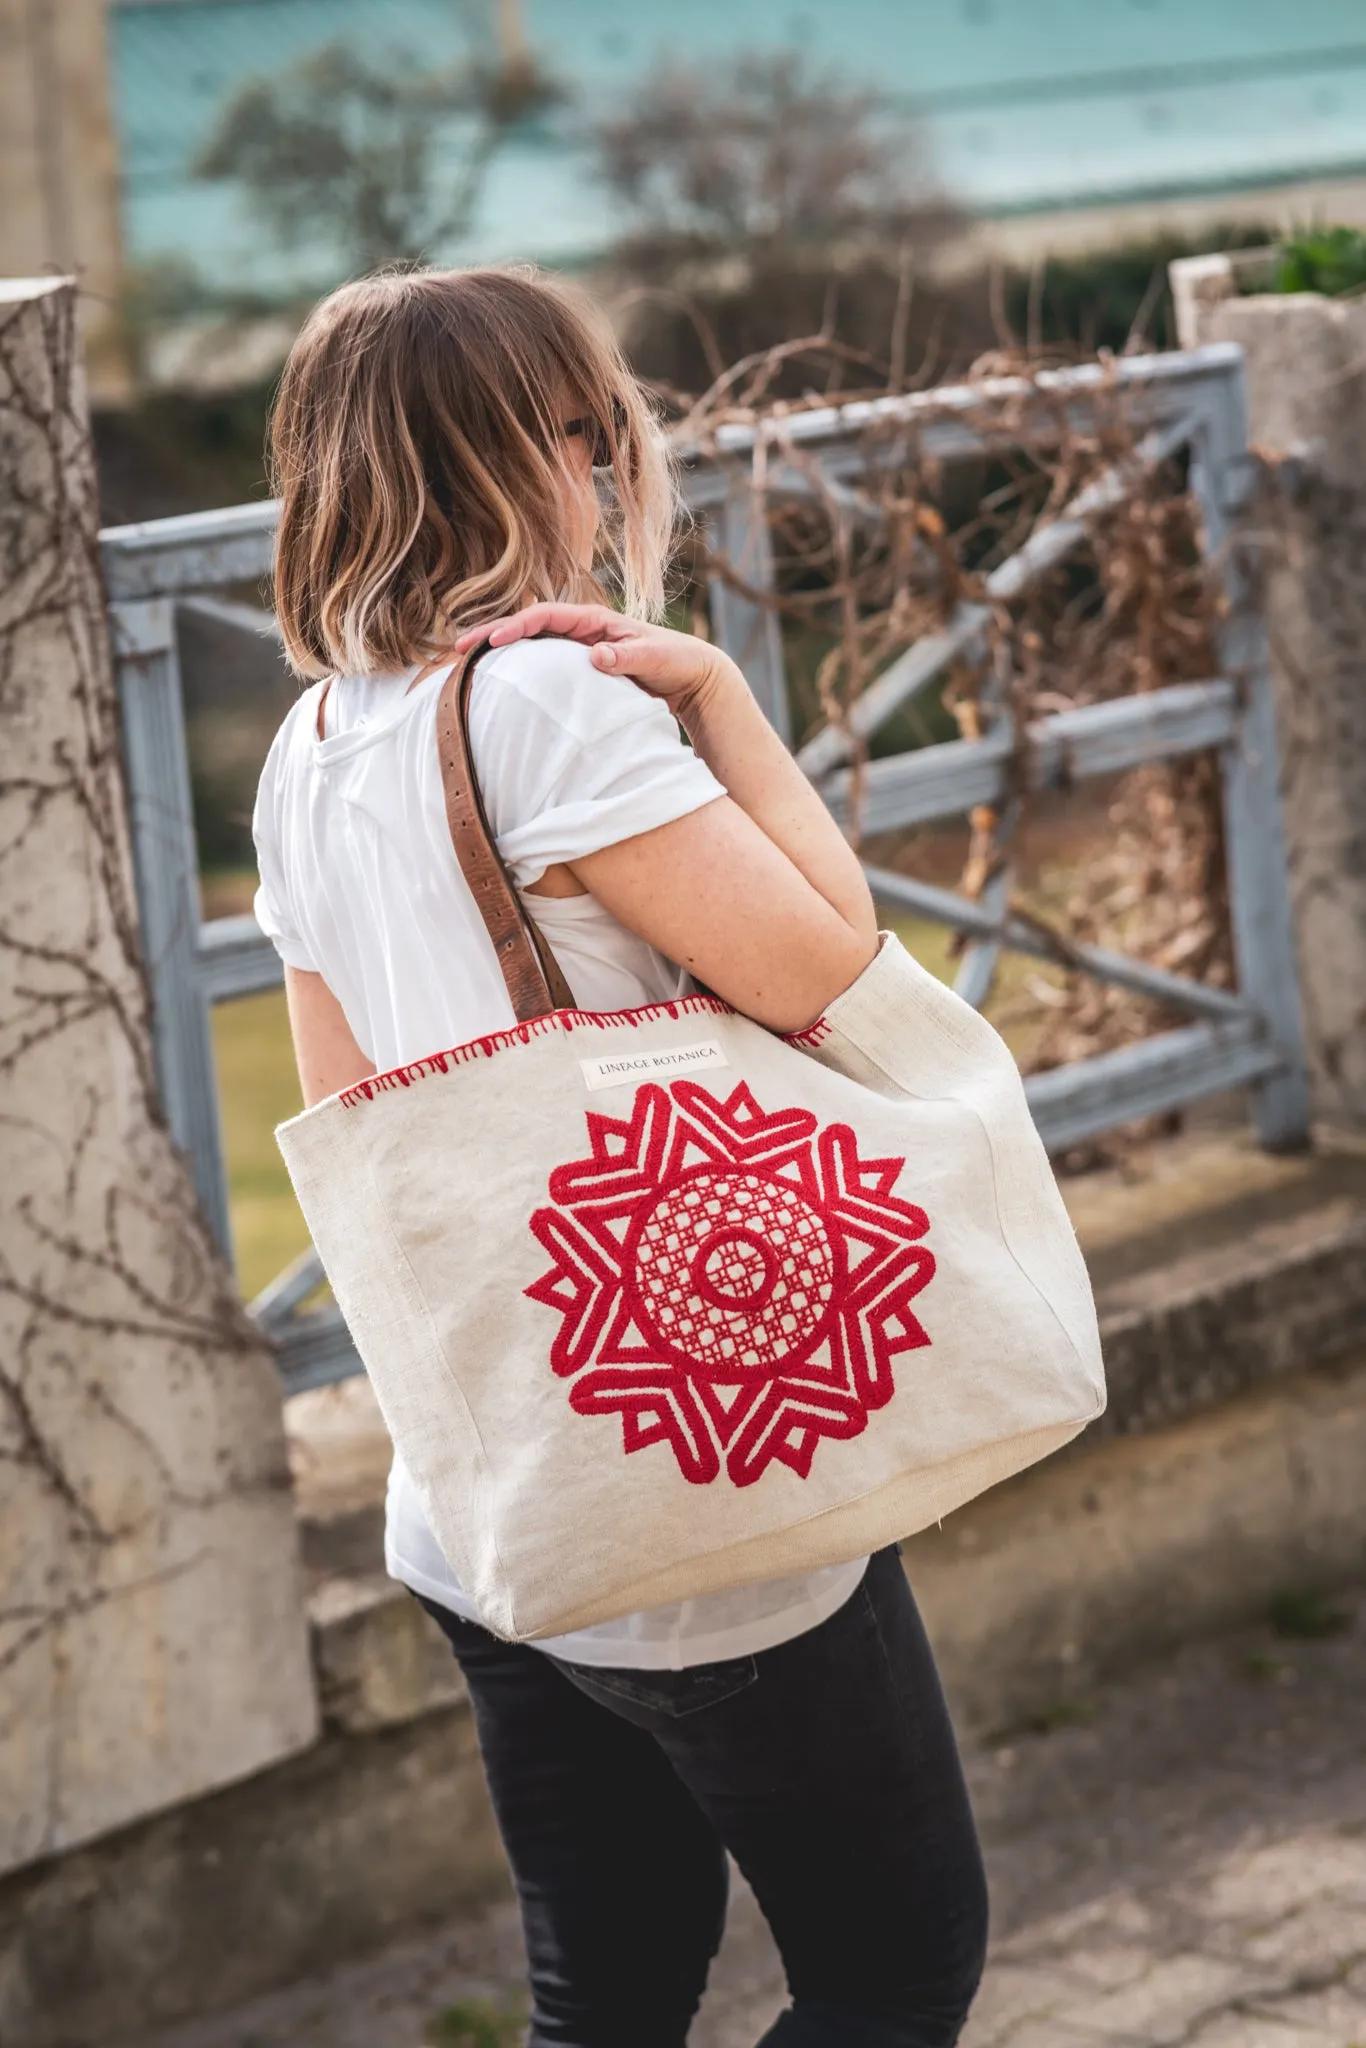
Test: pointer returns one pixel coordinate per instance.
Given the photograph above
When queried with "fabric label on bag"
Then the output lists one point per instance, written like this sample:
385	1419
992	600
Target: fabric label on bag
614	1069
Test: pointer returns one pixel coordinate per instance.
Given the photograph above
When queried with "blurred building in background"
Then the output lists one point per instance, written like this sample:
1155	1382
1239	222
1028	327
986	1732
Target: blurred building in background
1058	123
1051	126
59	173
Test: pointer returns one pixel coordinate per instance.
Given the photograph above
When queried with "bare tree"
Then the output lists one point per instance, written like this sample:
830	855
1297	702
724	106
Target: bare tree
769	159
384	162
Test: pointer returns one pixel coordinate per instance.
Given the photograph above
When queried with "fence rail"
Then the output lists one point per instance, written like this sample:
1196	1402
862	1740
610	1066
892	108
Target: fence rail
1191	402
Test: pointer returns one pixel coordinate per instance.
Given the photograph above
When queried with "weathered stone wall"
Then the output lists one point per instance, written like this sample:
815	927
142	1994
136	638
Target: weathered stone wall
1306	387
152	1634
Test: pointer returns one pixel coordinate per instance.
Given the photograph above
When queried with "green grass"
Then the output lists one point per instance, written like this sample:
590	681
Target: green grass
1061	1713
1262	1668
1306	1616
473	2023
258	1089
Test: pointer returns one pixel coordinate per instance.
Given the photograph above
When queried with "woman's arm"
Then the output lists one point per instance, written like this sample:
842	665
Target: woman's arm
758	895
327	1054
712	892
738	744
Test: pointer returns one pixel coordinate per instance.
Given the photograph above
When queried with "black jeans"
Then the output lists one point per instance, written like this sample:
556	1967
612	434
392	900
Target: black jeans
828	1768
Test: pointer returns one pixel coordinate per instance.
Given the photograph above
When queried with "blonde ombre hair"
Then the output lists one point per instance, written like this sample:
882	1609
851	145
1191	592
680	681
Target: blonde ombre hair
416	445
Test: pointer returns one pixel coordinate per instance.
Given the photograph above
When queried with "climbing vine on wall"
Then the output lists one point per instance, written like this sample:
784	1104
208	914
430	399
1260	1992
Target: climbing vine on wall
132	1387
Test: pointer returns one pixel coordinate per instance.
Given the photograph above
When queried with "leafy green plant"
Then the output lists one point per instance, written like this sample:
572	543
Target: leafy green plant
1328	260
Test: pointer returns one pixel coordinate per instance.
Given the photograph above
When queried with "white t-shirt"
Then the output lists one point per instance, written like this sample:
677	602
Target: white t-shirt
360	883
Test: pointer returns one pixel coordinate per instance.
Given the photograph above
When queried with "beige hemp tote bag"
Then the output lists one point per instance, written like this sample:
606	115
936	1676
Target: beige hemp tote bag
660	1303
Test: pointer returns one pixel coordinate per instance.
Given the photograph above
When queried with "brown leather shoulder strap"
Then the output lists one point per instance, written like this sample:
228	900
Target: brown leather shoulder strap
533	977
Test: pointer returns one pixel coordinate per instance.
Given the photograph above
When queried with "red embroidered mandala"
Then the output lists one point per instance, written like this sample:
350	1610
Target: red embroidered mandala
732	1282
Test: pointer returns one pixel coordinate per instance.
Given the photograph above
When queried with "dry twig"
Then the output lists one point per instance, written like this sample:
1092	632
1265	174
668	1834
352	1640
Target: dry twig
870	563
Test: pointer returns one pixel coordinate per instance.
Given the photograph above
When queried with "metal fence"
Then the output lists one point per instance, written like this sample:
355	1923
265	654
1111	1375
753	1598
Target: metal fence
1249	1039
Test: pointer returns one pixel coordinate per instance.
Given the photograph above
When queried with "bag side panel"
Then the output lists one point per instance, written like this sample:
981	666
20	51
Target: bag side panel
928	1042
331	1157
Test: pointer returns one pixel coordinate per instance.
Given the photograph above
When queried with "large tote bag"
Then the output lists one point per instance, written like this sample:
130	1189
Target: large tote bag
660	1303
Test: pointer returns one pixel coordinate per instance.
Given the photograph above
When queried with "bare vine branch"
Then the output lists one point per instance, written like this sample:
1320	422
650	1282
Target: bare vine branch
868	564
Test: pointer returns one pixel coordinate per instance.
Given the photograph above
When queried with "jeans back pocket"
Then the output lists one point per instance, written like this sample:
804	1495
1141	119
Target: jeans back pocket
669	1693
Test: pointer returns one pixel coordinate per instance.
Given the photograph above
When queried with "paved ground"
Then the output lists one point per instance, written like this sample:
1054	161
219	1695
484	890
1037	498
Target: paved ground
1181	1860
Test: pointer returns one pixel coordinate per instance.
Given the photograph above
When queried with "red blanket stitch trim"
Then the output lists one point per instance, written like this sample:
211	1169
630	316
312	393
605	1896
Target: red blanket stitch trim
812	1035
521	1034
558	1020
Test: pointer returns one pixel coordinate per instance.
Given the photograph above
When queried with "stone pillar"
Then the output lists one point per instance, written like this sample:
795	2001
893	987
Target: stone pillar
1306	387
152	1633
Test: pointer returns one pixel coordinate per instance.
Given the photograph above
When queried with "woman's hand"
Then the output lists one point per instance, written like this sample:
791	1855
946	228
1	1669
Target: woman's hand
686	672
756	893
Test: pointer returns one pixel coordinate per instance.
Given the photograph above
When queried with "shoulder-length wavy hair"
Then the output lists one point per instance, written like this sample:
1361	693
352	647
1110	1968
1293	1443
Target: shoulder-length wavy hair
416	447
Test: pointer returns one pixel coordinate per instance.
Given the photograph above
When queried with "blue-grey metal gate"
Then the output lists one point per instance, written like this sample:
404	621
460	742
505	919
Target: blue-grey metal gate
1249	1039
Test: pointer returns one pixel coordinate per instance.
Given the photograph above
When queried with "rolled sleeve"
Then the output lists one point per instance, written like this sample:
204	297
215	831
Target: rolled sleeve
282	935
271	902
640	802
575	761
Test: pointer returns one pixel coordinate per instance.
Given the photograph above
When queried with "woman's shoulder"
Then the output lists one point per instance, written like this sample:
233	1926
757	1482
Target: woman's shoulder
556	680
291	738
301	719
